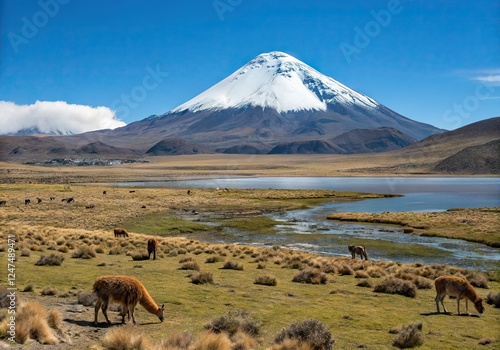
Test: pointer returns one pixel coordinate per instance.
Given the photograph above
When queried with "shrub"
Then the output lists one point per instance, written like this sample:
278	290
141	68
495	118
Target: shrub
375	272
266	280
393	285
202	278
115	251
423	283
234	321
139	255
177	341
365	283
83	252
53	259
126	337
190	265
185	259
345	269
309	331
212	341
233	265
25	252
493	298
409	336
63	249
361	274
214	259
32	322
291	344
29	288
477	279
311	275
49	291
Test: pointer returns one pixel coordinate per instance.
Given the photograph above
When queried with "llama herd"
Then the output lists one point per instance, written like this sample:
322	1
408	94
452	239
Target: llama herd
129	291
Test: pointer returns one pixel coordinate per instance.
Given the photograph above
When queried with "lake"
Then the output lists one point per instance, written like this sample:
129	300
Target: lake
309	230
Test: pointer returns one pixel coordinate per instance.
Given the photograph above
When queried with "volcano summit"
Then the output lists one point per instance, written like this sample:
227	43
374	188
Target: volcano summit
274	99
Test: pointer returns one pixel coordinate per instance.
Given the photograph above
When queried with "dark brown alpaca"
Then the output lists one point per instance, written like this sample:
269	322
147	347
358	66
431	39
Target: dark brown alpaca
127	291
152	247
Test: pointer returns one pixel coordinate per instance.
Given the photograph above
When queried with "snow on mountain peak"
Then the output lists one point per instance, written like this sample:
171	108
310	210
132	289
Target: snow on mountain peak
279	81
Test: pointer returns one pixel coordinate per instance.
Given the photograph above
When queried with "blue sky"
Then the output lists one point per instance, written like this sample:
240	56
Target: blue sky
435	61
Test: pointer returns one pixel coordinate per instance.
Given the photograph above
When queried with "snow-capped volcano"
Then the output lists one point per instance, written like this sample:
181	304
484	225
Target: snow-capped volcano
279	81
273	99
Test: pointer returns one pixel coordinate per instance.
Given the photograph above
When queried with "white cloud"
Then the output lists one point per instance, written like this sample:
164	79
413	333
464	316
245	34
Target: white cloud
490	79
484	76
57	116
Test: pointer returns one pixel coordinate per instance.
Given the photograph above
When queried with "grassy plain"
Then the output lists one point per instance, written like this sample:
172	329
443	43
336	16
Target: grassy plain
356	316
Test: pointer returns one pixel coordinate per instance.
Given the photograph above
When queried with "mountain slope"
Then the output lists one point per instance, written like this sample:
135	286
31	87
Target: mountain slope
273	99
482	159
372	140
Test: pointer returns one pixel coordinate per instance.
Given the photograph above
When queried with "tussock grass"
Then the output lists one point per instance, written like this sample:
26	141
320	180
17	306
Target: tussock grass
139	255
49	291
212	341
235	321
33	321
311	276
214	259
371	313
202	278
266	280
126	337
493	298
310	331
365	283
393	285
409	336
191	265
233	265
84	252
53	259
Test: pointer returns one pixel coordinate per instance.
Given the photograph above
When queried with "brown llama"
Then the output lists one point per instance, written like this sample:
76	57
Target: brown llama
457	287
360	250
119	232
128	292
152	247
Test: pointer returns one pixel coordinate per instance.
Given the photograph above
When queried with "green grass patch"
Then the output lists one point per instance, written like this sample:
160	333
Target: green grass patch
256	224
159	224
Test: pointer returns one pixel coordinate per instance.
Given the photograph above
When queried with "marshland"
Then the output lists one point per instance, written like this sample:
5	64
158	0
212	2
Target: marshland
252	295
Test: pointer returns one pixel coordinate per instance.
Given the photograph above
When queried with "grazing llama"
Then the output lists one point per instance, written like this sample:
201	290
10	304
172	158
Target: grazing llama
360	250
152	247
457	287
128	292
120	232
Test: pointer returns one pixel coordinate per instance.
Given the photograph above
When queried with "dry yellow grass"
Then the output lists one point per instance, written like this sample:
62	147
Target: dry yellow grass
355	315
475	225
